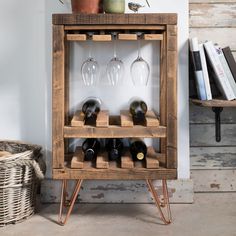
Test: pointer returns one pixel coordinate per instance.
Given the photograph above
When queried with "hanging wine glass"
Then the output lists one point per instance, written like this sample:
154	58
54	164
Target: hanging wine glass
90	68
115	67
140	69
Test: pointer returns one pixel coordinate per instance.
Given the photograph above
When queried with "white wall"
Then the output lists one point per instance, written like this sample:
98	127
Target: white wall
25	65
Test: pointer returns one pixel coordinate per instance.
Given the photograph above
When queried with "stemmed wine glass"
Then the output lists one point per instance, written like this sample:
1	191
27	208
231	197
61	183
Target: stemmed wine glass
115	67
90	67
140	69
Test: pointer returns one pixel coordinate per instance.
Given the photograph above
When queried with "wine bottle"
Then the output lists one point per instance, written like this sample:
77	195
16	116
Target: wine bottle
138	149
90	109
90	149
114	148
138	109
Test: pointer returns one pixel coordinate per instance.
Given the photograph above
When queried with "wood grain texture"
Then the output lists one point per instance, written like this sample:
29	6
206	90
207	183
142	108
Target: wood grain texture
102	119
151	37
115	173
212	15
102	161
208	158
214	103
58	95
151	119
77	161
127	161
101	38
223	36
214	180
171	96
76	37
117	19
129	37
115	132
126	119
78	119
203	135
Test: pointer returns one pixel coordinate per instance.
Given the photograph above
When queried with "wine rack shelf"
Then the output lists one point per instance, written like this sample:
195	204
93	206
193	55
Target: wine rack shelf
152	160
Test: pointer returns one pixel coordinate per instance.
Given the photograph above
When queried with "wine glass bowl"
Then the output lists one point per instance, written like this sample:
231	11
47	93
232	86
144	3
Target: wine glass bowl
90	71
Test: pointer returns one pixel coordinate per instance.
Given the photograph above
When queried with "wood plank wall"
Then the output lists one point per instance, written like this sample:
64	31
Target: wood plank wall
213	165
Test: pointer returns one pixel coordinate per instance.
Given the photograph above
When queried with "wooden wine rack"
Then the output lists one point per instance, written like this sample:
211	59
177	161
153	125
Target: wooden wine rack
68	28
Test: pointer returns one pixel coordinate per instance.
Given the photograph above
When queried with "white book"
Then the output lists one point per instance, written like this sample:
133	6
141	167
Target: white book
226	69
205	72
221	77
198	73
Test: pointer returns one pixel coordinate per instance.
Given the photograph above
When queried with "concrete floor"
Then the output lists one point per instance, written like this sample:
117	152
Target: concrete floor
211	215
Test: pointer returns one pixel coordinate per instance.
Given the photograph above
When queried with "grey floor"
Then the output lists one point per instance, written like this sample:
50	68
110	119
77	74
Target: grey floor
211	215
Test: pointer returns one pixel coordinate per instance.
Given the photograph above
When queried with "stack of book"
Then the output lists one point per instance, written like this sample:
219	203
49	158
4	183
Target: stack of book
211	66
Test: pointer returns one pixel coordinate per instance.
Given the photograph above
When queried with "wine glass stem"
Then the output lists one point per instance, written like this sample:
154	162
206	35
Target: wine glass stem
114	45
139	48
90	49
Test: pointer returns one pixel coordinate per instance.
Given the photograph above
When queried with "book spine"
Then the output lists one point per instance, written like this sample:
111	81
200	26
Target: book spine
226	69
197	67
205	72
223	82
230	60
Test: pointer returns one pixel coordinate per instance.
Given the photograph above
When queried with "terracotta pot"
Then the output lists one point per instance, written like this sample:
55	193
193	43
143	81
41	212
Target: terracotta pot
86	6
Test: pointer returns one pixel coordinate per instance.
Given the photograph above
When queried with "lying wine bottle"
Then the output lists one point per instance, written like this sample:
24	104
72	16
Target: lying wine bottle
138	110
114	148
90	149
138	149
91	108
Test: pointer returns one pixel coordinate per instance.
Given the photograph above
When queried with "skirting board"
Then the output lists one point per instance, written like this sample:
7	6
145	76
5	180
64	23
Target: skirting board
180	191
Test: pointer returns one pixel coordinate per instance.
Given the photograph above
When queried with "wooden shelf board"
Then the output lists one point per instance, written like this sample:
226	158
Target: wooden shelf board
114	131
114	173
214	103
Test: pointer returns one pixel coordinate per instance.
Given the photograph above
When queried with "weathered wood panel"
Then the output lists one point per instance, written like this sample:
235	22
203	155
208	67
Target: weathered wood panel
203	135
212	15
211	1
214	180
223	36
180	191
199	115
208	158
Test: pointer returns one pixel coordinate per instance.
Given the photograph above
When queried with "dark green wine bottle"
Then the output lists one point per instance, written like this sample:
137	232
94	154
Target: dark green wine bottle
90	149
138	110
114	149
138	149
91	108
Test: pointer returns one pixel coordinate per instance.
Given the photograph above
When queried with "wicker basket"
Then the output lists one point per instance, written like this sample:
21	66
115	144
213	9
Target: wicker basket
19	174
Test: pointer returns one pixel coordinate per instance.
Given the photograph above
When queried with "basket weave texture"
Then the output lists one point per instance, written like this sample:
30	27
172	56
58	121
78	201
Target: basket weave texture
20	173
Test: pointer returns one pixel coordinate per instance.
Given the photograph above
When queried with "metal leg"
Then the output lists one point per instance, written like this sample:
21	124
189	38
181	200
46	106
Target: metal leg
161	204
69	203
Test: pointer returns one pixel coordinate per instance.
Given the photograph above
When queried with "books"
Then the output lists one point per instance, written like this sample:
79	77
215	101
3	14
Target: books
197	67
230	60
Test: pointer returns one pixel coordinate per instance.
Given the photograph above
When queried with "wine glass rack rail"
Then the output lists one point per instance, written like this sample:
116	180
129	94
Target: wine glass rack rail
161	165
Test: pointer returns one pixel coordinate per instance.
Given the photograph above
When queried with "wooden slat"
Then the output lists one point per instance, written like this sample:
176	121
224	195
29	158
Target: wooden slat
102	161
126	119
209	158
171	96
58	94
115	173
153	37
214	103
223	36
127	37
115	132
219	15
116	19
102	119
205	115
101	37
214	180
76	37
78	119
203	135
77	161
151	119
153	159
114	27
127	160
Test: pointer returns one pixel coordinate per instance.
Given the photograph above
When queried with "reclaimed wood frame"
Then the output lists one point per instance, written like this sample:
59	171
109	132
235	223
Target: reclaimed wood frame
63	27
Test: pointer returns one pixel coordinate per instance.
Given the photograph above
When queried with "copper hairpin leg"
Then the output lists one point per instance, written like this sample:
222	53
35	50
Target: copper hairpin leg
68	203
161	204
